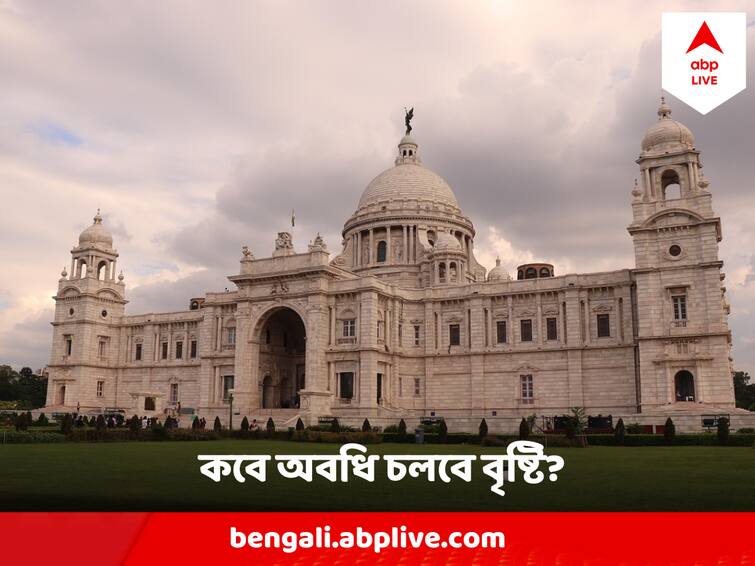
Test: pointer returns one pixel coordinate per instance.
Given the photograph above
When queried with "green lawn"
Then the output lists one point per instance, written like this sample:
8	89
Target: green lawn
163	476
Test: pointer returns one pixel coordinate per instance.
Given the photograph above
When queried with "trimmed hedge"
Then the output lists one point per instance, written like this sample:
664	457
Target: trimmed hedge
146	435
336	437
702	439
27	437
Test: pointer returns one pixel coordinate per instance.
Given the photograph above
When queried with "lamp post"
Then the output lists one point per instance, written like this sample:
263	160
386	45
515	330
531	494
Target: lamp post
230	411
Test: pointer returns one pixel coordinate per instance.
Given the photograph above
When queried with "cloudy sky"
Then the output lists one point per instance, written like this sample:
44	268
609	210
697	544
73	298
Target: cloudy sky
197	127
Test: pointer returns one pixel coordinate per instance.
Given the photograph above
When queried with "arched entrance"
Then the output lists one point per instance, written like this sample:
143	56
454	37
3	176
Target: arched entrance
61	395
684	386
282	359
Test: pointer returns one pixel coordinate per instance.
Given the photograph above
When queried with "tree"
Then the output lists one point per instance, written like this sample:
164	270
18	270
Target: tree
669	431
270	426
723	430
300	424
216	426
366	426
443	432
334	426
744	391
100	423
524	429
402	429
66	424
245	424
483	429
22	422
134	424
42	420
620	432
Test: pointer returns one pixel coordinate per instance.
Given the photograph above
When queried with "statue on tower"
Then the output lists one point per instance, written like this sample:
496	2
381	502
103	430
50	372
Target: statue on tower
408	119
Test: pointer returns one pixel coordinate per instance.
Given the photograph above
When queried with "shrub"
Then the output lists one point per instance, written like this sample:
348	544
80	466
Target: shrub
29	418
21	422
746	430
722	431
100	423
391	429
571	427
42	420
524	429
336	437
634	428
299	424
483	429
270	426
158	431
443	432
195	423
134	425
25	437
620	432
366	426
66	424
216	426
245	424
402	428
334	426
669	431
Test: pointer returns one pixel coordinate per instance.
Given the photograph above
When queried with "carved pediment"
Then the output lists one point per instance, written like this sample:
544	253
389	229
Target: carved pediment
602	308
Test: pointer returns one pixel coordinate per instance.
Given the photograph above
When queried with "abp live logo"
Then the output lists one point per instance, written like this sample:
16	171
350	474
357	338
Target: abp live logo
704	57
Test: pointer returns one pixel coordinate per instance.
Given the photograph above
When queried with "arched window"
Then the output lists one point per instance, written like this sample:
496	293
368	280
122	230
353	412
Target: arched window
102	270
452	271
82	268
684	386
442	272
545	272
530	273
670	184
382	251
520	274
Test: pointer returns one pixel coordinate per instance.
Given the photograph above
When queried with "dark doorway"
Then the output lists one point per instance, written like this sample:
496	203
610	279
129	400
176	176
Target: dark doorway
379	387
684	385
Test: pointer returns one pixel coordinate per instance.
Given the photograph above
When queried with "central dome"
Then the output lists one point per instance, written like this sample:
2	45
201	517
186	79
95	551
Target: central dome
408	180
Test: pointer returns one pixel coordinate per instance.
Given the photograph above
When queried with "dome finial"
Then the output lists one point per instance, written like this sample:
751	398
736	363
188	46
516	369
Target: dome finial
98	217
497	261
664	111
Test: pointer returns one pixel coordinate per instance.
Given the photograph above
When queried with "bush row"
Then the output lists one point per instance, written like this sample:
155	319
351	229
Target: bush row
336	437
30	437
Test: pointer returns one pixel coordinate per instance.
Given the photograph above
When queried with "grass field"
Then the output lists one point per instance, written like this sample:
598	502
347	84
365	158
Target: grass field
155	476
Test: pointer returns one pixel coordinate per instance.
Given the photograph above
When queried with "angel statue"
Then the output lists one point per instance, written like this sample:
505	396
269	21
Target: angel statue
408	119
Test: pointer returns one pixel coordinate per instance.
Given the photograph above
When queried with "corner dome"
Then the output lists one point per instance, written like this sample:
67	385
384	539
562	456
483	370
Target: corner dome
96	234
498	273
446	242
408	179
667	134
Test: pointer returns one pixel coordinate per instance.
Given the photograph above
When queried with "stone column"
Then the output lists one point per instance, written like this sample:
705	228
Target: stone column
405	248
359	249
588	334
492	332
510	323
243	386
540	319
371	255
332	311
388	255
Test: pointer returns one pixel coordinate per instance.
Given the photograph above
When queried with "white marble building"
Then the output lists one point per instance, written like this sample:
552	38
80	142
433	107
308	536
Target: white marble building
404	322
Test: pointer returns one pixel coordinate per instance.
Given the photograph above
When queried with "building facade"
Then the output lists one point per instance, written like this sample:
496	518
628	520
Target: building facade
405	323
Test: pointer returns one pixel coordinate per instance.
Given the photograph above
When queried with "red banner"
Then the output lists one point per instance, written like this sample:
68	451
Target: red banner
533	539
